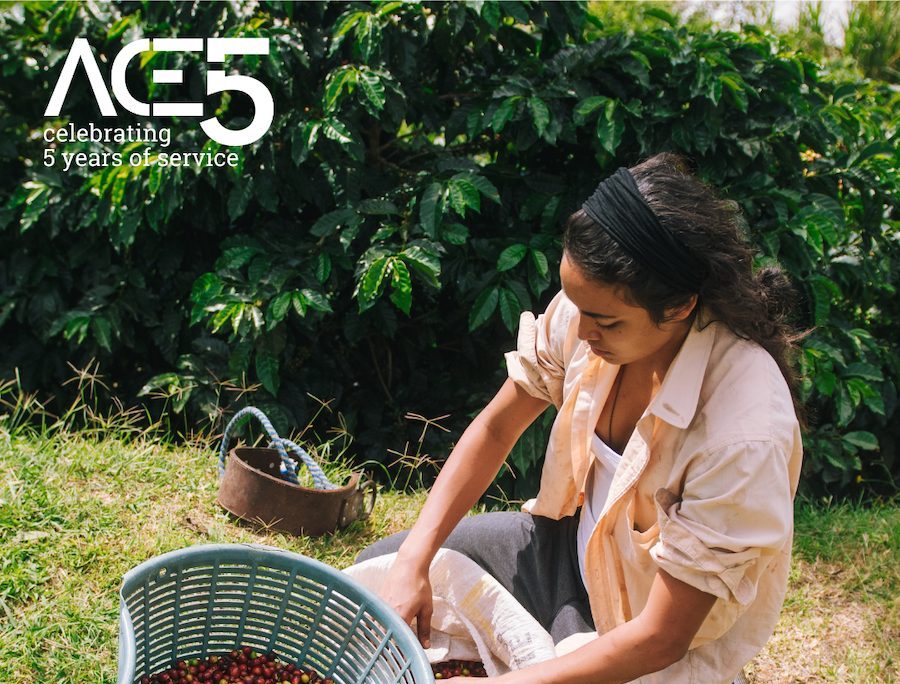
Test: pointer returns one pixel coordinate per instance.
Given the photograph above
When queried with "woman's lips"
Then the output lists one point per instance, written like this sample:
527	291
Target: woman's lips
598	351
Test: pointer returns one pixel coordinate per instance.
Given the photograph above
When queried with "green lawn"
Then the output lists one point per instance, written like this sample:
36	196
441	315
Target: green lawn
76	512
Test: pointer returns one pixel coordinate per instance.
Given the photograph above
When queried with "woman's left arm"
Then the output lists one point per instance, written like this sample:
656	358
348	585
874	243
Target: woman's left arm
659	636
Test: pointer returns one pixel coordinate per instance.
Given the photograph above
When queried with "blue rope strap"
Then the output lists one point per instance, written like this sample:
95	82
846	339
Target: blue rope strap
288	465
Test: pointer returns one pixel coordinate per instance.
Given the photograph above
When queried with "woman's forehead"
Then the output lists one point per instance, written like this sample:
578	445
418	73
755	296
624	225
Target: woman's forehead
593	298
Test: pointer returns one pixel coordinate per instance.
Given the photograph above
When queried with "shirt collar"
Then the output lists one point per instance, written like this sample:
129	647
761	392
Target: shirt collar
677	399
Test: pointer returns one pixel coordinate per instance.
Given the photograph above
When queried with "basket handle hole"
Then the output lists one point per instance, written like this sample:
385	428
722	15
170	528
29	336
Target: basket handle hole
162	573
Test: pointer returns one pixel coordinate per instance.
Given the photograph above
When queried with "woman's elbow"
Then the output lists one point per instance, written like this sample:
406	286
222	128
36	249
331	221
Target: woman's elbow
671	652
663	649
659	657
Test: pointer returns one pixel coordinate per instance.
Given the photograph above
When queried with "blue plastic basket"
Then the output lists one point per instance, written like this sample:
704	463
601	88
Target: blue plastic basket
213	598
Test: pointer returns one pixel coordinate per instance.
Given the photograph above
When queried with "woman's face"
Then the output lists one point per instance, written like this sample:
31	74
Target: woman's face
617	331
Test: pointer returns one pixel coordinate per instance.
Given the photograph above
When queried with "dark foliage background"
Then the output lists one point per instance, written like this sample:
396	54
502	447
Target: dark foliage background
376	247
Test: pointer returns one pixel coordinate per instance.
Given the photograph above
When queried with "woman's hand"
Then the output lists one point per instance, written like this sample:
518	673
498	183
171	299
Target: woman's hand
407	590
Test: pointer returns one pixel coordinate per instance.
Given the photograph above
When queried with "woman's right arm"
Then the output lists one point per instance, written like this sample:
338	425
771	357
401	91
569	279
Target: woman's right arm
466	475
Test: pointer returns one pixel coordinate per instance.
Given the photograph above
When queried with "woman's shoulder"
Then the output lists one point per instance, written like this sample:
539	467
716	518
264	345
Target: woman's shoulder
743	390
559	323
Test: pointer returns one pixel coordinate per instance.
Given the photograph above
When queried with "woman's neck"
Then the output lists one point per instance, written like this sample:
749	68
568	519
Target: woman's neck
657	364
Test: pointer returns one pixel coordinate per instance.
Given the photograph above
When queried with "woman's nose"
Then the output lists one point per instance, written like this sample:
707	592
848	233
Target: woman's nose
587	329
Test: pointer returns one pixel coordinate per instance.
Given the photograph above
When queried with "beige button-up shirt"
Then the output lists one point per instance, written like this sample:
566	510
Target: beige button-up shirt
704	490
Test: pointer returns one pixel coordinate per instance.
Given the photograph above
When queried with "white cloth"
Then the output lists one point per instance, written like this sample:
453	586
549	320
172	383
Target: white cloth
474	617
600	477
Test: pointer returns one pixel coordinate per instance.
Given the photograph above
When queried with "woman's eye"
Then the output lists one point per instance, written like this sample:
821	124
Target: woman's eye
607	326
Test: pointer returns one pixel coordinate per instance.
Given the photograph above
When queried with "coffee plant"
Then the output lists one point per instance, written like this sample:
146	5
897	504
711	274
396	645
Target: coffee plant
375	248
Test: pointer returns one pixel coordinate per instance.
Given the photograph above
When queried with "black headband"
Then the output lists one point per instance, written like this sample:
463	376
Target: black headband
620	209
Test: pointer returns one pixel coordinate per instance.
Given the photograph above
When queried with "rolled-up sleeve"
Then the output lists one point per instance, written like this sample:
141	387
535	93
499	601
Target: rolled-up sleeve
734	515
538	362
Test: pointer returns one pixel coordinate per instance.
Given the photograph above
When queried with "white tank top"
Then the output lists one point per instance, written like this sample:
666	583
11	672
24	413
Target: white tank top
596	490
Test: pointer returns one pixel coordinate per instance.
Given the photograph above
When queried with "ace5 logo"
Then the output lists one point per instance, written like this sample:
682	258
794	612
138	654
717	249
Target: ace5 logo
216	81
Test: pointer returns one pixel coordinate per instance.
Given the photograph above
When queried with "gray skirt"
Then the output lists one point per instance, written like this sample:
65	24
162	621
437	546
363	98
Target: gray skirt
533	557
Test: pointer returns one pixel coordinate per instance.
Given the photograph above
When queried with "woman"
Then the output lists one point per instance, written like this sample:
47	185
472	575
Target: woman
676	435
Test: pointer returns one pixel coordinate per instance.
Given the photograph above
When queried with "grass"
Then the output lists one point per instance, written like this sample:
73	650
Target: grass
841	618
78	508
77	513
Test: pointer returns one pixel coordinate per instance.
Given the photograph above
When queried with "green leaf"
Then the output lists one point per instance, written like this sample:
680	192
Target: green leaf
37	201
425	263
822	289
316	300
169	382
735	86
610	127
880	148
825	381
539	259
519	289
278	308
430	209
205	289
587	107
267	191
236	257
862	439
124	230
76	326
659	13
455	234
373	89
511	256
714	90
119	26
864	370
303	139
323	267
485	187
505	112
875	403
117	195
372	282
300	303
343	78
845	407
154	179
239	197
463	194
102	330
385	8
483	308
509	309
337	131
638	69
239	360
490	12
401	286
328	223
540	114
267	370
344	25
536	282
368	37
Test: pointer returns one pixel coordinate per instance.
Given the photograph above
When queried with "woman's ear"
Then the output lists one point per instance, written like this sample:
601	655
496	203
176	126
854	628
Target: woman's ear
679	313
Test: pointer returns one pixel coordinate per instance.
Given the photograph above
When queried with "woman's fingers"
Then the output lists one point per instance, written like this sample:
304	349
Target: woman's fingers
423	622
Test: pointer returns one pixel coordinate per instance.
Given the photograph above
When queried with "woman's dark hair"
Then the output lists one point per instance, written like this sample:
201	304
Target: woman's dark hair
754	305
